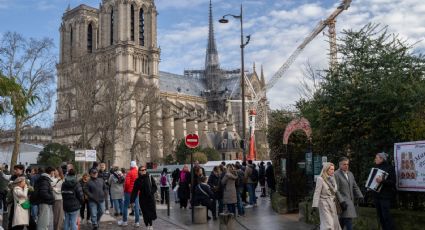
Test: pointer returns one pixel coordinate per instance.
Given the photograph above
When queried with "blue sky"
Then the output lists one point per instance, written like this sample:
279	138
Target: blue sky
277	27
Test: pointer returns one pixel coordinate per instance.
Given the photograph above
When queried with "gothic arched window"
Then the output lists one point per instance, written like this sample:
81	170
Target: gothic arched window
132	23
90	39
111	39
141	28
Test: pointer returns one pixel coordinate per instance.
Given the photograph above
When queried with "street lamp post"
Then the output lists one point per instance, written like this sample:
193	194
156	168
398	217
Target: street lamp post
243	44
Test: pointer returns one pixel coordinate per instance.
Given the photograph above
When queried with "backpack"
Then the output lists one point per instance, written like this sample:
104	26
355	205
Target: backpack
164	180
254	175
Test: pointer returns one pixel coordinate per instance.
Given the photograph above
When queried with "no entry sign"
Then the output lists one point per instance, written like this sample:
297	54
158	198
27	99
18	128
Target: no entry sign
192	141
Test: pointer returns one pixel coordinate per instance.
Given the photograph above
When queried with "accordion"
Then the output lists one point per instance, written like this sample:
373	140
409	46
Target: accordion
371	183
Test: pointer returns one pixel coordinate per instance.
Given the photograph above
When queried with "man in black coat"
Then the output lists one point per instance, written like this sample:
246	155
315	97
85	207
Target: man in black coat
383	198
271	182
96	190
262	178
205	197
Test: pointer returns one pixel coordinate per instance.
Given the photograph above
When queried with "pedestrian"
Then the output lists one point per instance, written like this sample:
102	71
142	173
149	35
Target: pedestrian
175	175
18	171
204	196
104	174
214	181
262	178
96	190
165	186
21	209
382	199
85	205
130	178
44	198
349	191
240	184
116	182
270	178
145	188
73	199
251	178
197	174
324	198
229	189
184	189
58	213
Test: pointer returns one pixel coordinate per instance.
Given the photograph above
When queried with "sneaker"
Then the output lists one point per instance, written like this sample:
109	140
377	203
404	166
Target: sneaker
122	223
107	212
137	224
249	206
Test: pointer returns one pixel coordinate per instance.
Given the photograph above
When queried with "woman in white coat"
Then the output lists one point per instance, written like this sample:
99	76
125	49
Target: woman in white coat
324	196
20	195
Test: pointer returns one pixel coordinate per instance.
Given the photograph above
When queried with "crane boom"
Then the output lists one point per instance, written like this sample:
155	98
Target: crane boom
319	28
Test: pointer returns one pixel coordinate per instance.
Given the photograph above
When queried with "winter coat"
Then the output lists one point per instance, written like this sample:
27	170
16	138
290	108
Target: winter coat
184	189
84	187
262	175
96	190
203	194
117	189
248	173
21	216
349	191
214	183
43	191
388	185
271	182
324	200
130	178
146	187
229	188
57	186
105	176
72	194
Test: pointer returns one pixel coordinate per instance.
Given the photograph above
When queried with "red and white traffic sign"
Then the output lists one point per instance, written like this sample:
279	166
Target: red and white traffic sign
192	141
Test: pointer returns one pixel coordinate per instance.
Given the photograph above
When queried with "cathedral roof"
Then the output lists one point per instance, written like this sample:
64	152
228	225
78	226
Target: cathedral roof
174	83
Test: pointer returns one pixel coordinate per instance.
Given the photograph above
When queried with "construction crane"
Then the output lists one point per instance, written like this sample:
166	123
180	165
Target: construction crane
328	22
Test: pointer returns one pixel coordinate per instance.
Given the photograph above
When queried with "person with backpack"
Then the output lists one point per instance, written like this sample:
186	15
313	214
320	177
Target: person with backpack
116	183
251	178
165	186
73	198
215	185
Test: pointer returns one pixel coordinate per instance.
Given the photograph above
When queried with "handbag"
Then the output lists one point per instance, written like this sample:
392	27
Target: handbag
336	200
25	205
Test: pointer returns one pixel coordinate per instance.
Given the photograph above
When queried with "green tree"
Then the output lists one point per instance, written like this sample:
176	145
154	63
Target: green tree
182	152
376	97
54	154
212	154
198	156
169	159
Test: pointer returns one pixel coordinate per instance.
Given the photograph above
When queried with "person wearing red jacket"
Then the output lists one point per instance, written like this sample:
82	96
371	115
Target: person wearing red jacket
130	178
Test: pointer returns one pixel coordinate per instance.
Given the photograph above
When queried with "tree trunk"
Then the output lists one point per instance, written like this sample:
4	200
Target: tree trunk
17	142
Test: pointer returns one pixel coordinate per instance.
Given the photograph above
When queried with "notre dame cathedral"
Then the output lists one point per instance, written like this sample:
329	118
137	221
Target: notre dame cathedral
112	96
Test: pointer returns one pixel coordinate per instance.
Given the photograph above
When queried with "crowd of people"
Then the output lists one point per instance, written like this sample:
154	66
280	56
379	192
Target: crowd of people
229	188
52	198
337	192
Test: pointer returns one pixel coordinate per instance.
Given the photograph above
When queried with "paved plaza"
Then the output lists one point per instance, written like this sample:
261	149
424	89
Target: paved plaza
260	217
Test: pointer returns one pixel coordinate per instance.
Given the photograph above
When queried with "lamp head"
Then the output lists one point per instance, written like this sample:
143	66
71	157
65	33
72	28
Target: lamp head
223	20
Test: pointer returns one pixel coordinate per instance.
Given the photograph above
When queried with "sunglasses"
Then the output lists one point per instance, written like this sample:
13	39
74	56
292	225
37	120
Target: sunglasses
141	170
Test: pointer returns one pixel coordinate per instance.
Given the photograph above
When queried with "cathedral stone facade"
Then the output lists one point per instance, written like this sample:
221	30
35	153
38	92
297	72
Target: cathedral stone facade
112	96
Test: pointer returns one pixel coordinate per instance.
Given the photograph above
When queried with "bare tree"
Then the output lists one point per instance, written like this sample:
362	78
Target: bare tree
147	130
311	80
32	65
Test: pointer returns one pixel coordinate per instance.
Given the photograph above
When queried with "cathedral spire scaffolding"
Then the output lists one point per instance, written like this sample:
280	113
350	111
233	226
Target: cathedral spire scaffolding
212	66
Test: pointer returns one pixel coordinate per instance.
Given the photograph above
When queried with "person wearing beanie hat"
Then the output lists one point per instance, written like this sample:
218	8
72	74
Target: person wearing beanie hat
382	199
133	164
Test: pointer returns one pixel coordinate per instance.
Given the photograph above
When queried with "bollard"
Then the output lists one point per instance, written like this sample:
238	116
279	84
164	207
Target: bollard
227	221
200	215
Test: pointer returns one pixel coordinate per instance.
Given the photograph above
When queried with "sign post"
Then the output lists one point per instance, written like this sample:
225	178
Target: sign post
192	141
